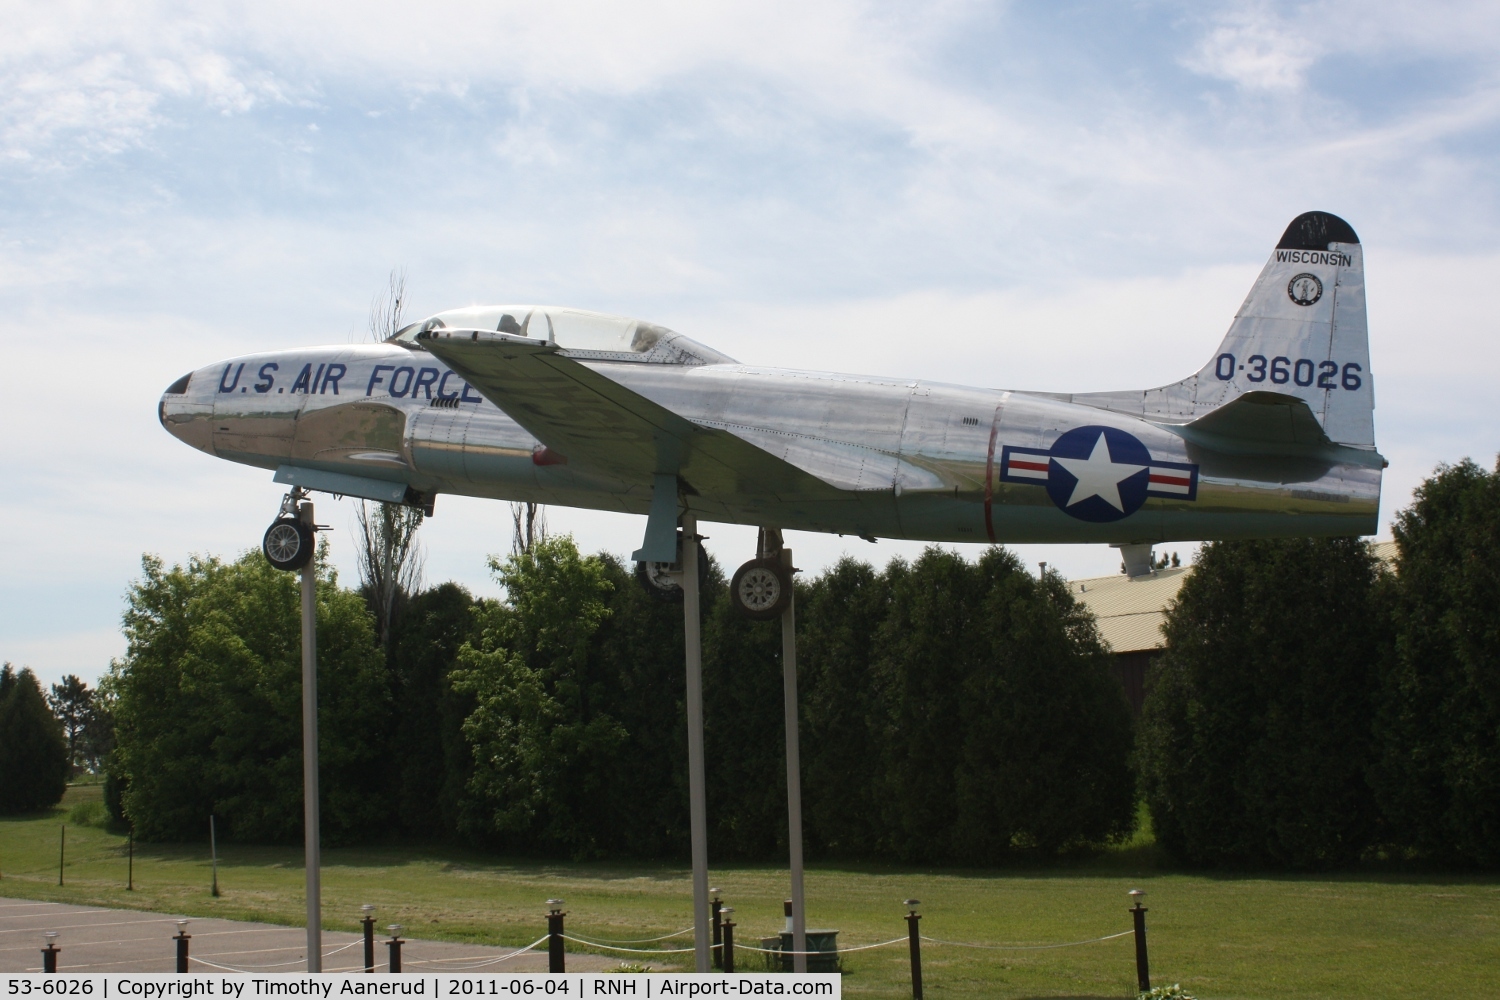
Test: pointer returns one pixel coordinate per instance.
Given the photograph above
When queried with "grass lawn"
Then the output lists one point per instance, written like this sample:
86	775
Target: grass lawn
1364	934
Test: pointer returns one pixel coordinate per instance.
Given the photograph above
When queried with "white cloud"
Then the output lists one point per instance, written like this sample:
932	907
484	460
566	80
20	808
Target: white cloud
1256	49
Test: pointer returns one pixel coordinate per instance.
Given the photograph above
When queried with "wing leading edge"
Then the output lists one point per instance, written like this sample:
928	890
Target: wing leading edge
595	421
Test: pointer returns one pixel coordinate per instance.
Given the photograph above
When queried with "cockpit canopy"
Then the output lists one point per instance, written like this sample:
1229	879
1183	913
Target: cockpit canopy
580	333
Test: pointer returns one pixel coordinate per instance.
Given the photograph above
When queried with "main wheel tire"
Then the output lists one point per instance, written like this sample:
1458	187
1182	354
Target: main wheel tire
761	589
655	578
288	544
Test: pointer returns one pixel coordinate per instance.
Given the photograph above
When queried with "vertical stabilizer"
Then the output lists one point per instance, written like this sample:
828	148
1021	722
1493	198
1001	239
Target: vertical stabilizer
1301	332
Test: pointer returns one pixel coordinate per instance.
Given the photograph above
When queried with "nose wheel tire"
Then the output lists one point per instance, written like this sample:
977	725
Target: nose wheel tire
288	544
761	589
658	579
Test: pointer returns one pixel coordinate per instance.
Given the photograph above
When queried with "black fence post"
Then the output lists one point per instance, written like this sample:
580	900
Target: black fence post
717	905
728	949
1142	966
369	926
394	945
130	865
182	939
555	935
913	918
49	953
62	850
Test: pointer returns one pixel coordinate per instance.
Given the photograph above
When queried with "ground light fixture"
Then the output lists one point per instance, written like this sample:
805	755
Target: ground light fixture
1142	962
182	944
49	953
367	924
554	904
728	951
393	946
914	944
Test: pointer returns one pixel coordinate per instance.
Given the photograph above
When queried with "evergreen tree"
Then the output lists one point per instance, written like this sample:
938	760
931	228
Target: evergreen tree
1002	725
925	655
1256	737
427	749
73	703
844	753
638	652
1045	730
33	751
1438	775
744	732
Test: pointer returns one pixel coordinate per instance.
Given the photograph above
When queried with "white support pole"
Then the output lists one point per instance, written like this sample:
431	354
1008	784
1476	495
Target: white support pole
697	793
311	832
793	770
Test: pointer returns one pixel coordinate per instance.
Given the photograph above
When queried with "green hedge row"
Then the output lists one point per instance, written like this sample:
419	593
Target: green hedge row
951	712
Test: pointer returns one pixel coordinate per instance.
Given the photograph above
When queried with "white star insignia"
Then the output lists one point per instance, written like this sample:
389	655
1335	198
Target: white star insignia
1098	476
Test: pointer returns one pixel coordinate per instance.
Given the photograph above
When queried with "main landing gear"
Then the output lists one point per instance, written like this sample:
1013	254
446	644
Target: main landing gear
761	588
289	542
660	579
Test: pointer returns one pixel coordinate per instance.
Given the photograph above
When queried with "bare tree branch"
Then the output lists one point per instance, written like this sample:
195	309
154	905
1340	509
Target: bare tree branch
530	521
390	559
386	308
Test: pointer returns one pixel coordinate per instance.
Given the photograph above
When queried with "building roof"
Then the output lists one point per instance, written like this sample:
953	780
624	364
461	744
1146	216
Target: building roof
1130	612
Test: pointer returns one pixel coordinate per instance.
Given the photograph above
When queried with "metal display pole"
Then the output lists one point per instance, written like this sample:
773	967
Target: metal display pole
697	795
311	827
793	770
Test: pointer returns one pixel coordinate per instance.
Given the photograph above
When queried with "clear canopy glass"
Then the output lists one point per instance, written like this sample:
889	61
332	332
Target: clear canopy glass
579	332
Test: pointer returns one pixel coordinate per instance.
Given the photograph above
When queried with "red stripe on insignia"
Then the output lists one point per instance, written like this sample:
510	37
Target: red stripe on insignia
1171	480
1032	466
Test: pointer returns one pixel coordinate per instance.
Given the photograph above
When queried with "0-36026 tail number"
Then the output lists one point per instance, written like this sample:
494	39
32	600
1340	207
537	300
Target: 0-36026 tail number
1281	370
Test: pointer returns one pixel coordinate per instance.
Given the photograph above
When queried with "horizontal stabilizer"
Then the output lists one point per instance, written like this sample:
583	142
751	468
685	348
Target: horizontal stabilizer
1264	420
1270	424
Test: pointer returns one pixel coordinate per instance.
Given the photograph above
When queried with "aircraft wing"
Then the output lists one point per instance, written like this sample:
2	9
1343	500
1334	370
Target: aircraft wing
596	422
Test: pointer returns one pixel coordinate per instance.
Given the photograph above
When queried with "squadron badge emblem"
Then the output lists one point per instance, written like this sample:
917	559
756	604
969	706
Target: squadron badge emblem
1098	473
1305	289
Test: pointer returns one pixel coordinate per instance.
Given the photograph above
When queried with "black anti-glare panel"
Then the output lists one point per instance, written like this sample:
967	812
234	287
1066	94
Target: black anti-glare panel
1315	230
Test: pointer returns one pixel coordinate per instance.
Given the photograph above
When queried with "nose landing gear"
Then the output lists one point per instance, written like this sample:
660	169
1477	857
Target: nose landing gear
289	542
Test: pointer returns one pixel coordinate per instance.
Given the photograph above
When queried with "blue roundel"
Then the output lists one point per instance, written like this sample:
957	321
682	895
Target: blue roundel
1098	474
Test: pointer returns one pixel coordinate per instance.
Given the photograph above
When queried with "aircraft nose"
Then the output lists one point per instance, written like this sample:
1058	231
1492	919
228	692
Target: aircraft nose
188	421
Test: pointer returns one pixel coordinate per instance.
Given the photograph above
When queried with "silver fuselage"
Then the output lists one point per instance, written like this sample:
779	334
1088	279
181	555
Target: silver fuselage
912	459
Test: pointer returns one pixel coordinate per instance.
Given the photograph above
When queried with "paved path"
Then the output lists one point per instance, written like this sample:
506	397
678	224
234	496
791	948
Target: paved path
93	939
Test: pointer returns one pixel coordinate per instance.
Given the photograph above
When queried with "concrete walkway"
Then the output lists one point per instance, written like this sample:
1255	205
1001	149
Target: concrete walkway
103	940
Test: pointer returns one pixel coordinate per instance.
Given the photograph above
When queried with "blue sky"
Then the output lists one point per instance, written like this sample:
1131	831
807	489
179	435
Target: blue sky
1053	196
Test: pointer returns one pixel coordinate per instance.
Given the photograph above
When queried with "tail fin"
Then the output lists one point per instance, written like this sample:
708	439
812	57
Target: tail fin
1301	333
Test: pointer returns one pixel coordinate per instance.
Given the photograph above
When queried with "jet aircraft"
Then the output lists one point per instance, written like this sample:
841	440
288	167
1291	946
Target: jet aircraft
1272	436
